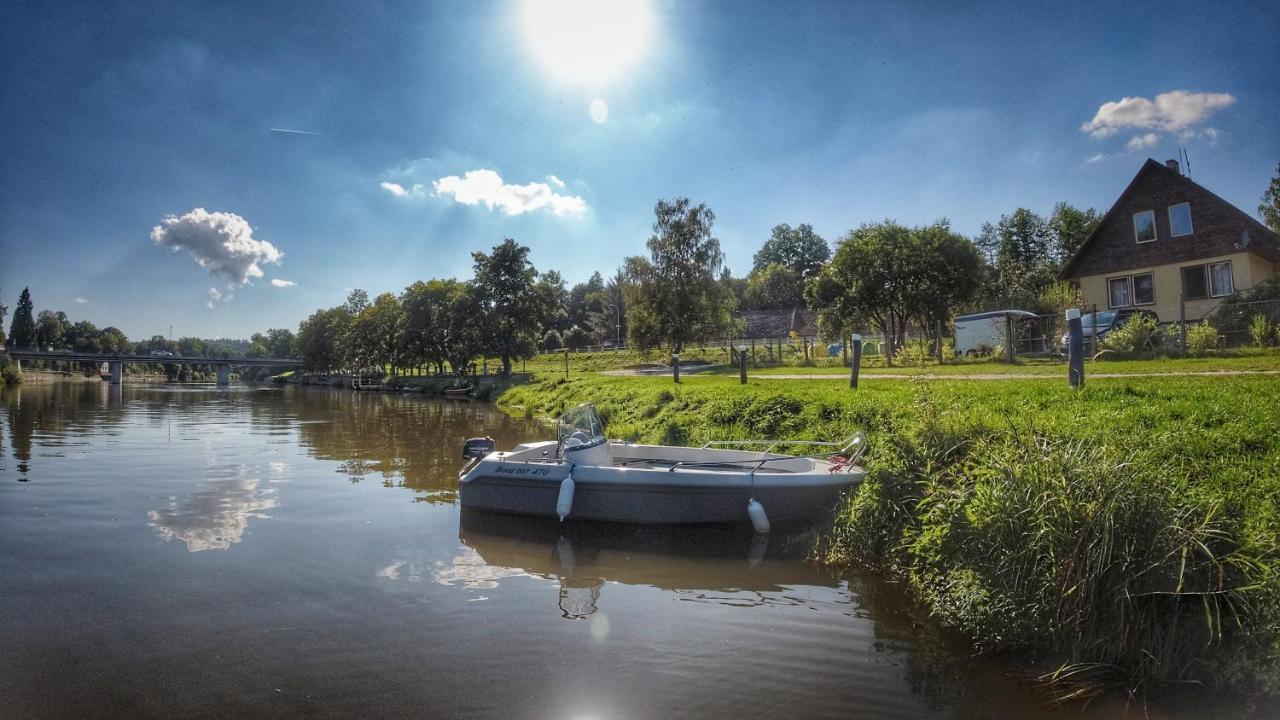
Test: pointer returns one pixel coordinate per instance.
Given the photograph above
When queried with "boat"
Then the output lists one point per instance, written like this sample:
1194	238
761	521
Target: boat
586	476
458	393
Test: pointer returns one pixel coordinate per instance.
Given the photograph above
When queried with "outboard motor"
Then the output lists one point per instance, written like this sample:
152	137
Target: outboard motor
477	447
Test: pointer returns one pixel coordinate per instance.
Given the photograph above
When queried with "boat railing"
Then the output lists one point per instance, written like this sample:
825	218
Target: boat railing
850	450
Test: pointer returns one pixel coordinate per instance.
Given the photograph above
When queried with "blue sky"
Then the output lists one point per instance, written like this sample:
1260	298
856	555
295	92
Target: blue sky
115	118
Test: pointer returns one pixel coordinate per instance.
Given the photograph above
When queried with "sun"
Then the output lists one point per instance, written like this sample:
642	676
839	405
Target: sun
587	41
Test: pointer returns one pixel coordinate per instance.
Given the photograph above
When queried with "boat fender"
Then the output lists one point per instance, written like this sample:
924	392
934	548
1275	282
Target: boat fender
759	520
565	502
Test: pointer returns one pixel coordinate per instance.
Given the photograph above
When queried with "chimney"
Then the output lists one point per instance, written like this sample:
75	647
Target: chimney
1172	165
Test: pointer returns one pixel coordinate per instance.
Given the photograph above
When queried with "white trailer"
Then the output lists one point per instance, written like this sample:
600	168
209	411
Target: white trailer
981	332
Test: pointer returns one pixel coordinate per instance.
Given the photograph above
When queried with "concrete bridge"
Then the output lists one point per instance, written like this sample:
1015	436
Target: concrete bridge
116	362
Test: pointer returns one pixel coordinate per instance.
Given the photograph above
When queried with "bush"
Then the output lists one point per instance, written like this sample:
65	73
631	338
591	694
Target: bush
1140	334
1260	330
577	338
551	341
9	375
1202	337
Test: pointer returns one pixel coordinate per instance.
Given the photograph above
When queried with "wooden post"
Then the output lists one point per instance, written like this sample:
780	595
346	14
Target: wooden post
742	365
856	342
1075	349
1010	342
753	351
675	367
566	363
1182	320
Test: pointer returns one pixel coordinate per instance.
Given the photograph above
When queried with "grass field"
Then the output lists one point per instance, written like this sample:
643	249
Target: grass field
1245	359
1127	531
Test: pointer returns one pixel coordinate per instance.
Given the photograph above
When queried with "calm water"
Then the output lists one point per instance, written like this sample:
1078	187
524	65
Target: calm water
180	552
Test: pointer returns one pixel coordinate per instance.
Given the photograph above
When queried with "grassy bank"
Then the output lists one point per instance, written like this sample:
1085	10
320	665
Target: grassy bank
1127	532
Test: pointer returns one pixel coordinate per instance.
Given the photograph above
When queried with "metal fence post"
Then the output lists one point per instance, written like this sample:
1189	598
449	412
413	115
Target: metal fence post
675	366
742	364
856	342
1075	349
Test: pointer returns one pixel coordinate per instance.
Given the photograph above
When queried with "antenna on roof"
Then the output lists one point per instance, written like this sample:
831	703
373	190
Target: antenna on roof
1186	160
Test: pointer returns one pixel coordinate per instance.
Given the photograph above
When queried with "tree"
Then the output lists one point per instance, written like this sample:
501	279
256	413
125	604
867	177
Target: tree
674	295
322	337
112	340
51	329
375	333
83	336
1268	209
800	249
1019	247
504	282
465	333
775	287
22	333
889	275
4	311
1069	227
357	300
554	299
280	342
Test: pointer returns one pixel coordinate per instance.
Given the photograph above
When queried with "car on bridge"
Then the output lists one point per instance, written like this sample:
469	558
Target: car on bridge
161	353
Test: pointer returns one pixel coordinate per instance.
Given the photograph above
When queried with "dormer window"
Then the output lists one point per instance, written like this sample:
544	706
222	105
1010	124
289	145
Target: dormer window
1180	219
1144	226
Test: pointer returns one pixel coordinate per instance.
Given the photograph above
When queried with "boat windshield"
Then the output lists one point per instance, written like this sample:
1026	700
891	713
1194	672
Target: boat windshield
580	426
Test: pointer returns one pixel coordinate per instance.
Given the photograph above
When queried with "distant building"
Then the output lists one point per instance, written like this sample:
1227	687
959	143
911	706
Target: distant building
1167	239
779	324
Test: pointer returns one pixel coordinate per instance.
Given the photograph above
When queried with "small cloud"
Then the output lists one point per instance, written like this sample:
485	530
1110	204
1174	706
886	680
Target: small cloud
488	188
214	297
1171	112
286	131
599	110
222	243
556	181
1096	158
283	283
1212	134
1138	142
81	301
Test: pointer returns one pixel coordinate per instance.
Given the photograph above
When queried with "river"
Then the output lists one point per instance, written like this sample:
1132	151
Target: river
175	551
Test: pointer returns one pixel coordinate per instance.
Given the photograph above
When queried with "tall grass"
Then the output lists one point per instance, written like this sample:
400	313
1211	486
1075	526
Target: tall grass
1125	534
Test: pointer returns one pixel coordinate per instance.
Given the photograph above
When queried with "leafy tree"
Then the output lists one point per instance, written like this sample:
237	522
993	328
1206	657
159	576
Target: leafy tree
775	287
280	342
674	295
734	288
554	299
113	340
466	334
551	341
800	249
51	329
889	275
83	336
22	333
576	338
1069	227
357	300
322	338
375	333
4	311
505	282
427	323
1019	247
1268	209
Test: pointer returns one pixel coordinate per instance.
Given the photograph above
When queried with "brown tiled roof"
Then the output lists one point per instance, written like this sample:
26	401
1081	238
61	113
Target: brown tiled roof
1220	228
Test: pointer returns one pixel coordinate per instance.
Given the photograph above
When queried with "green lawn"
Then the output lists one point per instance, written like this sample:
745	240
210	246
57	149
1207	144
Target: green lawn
1128	530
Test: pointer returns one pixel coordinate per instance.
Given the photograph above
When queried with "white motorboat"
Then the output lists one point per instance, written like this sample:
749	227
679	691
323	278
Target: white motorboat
584	475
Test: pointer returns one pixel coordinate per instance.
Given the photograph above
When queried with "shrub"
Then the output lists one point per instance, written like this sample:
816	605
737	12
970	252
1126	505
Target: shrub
9	375
1260	330
577	338
1202	337
551	341
1139	334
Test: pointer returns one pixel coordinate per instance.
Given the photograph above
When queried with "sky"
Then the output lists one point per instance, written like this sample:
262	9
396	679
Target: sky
223	168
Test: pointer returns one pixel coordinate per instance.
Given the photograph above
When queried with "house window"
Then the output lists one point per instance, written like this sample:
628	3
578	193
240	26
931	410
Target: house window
1118	290
1131	290
1195	284
1144	226
1144	289
1180	219
1220	284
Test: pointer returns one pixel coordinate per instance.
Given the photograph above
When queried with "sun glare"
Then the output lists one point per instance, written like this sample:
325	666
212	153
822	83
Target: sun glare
587	41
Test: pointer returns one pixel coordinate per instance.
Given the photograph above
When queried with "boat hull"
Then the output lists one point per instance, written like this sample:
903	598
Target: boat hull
651	496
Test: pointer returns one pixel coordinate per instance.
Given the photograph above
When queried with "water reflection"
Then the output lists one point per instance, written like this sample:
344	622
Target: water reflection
216	516
726	566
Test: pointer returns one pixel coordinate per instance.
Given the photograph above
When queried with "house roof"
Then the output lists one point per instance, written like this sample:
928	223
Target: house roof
779	323
1234	230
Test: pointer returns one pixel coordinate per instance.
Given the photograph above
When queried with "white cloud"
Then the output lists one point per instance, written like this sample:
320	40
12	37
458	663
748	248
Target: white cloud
1096	158
283	283
81	301
1170	112
214	297
1138	142
599	110
560	183
487	187
222	243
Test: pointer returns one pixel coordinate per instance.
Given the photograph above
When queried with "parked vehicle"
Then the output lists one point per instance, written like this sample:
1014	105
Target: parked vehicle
979	332
161	353
1098	325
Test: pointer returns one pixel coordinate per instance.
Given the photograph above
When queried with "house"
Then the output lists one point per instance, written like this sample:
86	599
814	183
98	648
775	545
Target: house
1167	240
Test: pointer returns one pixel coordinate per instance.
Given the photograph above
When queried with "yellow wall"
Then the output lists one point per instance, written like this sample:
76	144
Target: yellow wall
1247	270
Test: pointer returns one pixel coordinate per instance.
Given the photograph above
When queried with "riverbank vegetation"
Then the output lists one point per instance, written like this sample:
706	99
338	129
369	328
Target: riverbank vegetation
1126	533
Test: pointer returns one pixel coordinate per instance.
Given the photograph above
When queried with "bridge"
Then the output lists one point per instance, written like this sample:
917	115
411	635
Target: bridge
117	361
